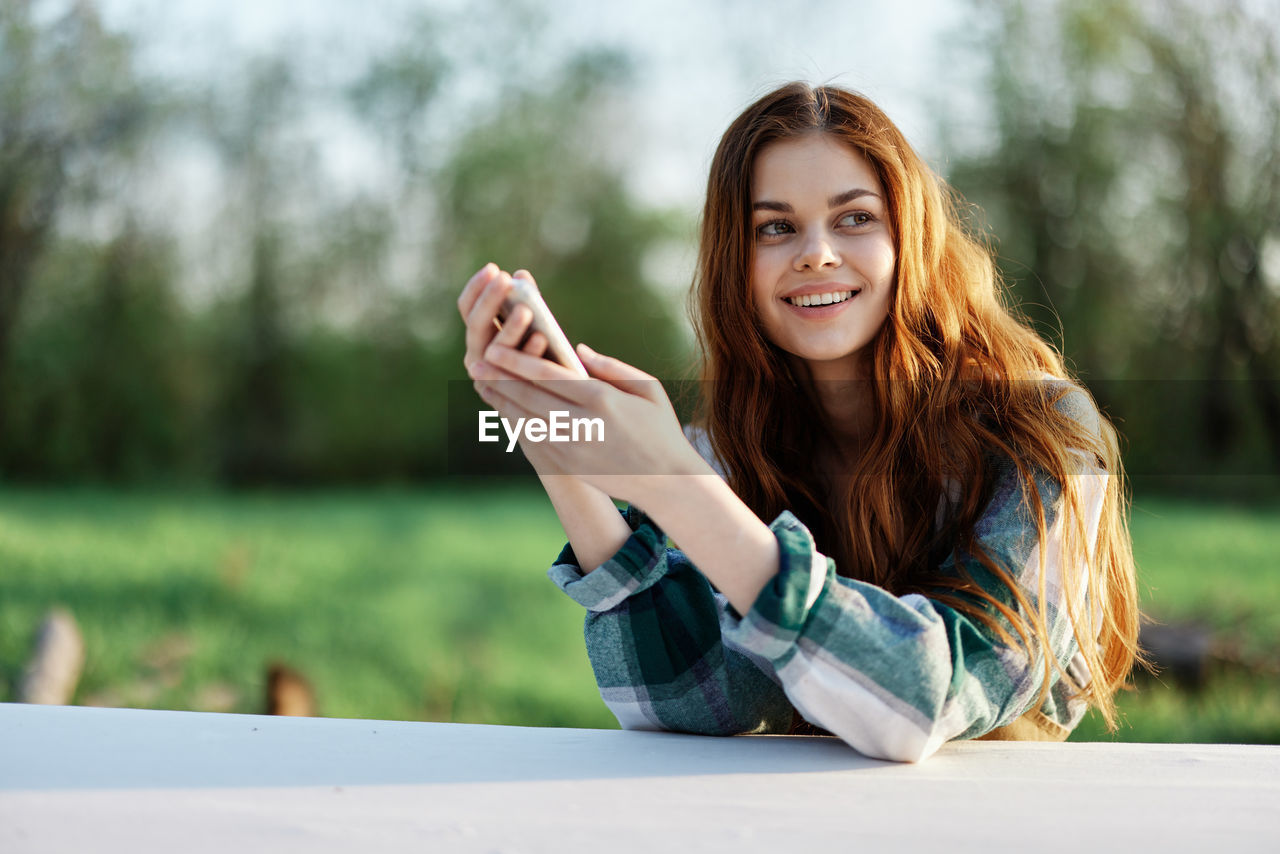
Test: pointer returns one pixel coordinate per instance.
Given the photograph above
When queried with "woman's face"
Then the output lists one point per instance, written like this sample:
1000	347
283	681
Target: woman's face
822	232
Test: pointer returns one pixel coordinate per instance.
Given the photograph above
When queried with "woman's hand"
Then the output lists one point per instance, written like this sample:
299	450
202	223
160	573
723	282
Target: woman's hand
641	434
643	442
590	520
479	304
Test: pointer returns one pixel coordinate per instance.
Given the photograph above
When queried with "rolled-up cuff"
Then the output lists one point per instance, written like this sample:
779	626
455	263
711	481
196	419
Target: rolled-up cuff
777	617
637	565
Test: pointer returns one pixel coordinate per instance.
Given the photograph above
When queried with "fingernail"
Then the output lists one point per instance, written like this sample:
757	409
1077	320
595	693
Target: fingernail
585	350
478	369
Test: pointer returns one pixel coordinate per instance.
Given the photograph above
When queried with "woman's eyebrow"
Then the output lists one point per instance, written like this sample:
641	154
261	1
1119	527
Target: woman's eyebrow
848	196
834	202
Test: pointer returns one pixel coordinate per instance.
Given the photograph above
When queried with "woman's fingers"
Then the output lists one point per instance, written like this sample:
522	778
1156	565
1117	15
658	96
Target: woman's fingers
479	303
528	366
480	328
554	377
536	345
563	383
620	375
470	293
521	398
514	327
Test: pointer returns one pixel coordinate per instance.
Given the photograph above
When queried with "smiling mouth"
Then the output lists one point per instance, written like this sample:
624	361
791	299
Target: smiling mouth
813	300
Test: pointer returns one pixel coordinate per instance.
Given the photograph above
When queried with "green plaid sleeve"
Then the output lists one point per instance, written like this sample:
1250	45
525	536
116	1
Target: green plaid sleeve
654	636
897	676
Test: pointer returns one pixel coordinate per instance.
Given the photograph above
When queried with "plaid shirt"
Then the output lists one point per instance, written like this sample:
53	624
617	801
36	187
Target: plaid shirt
894	676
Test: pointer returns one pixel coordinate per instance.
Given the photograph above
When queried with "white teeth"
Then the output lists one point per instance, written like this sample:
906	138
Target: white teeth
821	299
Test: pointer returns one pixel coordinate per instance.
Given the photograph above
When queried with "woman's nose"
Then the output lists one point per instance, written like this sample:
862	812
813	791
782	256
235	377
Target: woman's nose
816	252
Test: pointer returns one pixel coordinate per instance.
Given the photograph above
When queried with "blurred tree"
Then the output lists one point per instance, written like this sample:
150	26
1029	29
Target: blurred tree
70	104
536	185
1218	102
320	336
252	123
396	94
103	383
517	154
1134	183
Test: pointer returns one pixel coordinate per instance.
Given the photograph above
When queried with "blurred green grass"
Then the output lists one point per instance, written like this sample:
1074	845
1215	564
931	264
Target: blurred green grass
434	605
395	605
1213	565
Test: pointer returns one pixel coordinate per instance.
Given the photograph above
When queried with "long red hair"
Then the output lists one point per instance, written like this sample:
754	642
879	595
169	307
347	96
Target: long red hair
956	384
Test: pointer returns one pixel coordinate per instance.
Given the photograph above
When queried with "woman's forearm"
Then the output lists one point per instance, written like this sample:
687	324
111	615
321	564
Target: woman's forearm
595	528
721	535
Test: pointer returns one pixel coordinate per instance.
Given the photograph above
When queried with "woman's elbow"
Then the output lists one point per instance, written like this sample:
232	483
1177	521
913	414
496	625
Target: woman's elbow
872	725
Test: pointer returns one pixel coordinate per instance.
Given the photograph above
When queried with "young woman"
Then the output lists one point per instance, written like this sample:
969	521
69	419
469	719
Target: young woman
948	555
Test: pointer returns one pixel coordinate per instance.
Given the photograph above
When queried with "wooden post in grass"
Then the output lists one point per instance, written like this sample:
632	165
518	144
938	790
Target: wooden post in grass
289	692
54	670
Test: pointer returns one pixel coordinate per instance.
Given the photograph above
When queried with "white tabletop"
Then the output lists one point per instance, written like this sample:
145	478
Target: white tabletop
106	780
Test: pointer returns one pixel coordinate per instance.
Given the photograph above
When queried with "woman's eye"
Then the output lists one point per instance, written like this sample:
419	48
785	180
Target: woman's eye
856	218
775	228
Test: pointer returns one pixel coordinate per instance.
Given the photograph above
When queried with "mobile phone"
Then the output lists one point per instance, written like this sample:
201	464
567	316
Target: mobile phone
525	292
